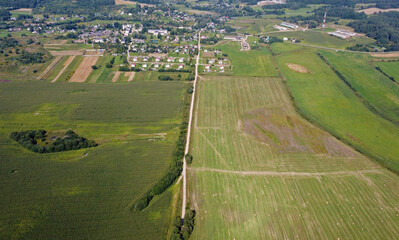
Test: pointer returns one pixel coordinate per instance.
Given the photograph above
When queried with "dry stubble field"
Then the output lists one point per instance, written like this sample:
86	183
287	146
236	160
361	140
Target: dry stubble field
84	69
262	172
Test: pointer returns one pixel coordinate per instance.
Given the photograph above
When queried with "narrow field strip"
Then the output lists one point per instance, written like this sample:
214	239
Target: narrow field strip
50	67
66	64
84	69
272	173
131	76
116	76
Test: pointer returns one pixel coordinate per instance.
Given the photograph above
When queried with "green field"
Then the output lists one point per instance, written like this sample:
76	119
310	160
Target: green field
390	68
262	172
325	99
323	39
88	193
378	90
249	63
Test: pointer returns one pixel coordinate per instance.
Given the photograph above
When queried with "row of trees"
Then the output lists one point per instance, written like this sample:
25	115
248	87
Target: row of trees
36	141
182	229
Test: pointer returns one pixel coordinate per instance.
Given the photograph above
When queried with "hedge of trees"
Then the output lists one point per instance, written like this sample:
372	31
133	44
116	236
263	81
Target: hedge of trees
36	141
183	229
171	174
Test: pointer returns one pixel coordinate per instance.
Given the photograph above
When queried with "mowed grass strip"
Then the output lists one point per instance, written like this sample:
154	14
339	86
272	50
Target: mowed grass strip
255	63
71	68
326	100
378	90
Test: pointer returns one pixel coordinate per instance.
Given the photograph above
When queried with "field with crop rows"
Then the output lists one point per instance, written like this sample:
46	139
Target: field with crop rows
260	171
88	193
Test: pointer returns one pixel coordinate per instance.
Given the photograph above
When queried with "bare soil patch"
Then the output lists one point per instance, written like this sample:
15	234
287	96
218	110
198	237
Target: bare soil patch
67	53
131	76
116	76
208	54
289	133
373	10
122	2
66	64
23	10
199	12
298	68
84	69
387	55
96	52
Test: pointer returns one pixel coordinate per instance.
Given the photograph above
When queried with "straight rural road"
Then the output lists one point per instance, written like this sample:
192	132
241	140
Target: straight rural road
184	175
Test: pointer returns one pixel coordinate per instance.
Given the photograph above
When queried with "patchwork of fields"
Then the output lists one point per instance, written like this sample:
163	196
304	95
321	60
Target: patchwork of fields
260	171
88	193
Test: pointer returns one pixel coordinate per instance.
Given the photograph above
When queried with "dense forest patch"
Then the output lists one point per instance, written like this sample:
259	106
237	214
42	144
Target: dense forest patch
39	141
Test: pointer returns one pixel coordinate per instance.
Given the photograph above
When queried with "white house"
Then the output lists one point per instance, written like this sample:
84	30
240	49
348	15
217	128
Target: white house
181	60
132	65
180	66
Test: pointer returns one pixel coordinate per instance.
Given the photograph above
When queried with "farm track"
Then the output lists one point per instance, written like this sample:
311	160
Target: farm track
49	68
66	64
292	174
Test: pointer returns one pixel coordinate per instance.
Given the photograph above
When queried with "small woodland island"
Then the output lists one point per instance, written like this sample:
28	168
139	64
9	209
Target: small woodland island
39	141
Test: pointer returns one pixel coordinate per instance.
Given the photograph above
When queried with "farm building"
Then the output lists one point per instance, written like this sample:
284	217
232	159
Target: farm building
289	25
157	32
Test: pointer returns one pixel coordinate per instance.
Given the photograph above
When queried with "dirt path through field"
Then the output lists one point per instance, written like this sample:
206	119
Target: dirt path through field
66	64
131	76
116	76
84	69
50	67
304	174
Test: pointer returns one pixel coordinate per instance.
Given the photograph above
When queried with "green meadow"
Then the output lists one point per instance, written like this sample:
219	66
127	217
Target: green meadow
379	92
88	193
325	100
390	68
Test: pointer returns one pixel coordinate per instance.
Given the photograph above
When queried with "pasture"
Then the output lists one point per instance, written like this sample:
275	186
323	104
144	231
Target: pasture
260	171
390	68
379	92
88	193
322	39
327	101
255	63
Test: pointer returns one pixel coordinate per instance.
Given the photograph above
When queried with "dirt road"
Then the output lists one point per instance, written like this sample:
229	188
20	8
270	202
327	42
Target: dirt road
184	172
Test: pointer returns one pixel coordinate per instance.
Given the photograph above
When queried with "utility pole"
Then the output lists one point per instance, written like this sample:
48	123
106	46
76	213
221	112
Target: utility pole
324	21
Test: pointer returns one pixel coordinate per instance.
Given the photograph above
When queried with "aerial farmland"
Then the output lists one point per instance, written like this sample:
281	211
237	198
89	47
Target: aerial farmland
186	120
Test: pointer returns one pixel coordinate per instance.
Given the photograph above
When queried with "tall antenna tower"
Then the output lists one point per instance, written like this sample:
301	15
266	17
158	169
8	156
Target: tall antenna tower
324	21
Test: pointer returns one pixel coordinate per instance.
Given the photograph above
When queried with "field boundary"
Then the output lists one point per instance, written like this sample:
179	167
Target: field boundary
49	68
66	64
274	173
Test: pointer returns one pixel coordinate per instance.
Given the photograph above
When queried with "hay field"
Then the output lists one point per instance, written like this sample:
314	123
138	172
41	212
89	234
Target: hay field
326	100
262	172
373	10
84	69
376	89
390	68
86	194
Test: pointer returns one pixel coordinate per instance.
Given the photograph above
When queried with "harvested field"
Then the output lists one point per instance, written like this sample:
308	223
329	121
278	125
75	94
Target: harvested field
122	2
298	68
67	53
84	69
116	76
96	52
130	75
386	55
260	171
66	64
23	10
208	54
373	10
